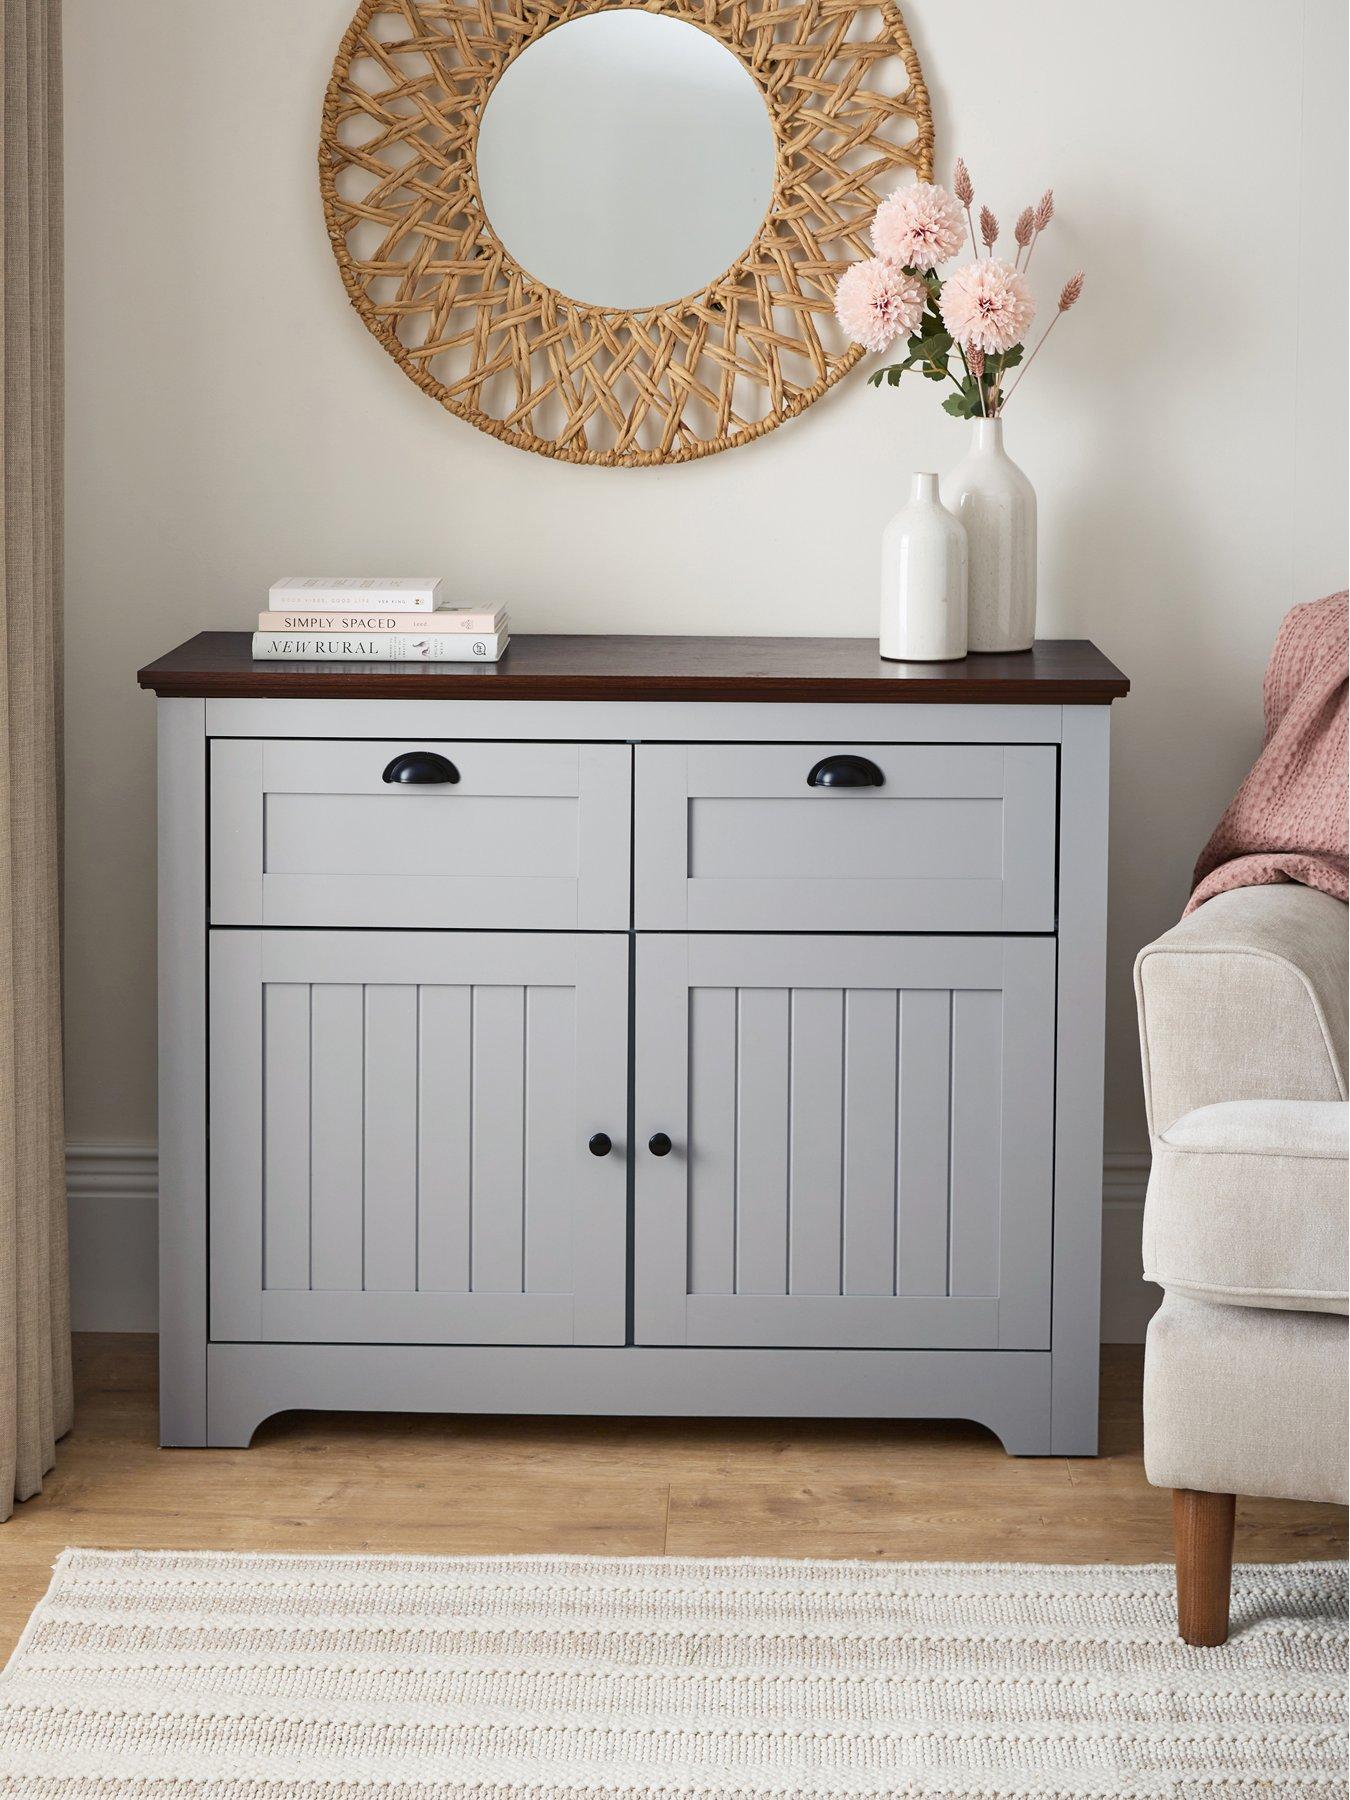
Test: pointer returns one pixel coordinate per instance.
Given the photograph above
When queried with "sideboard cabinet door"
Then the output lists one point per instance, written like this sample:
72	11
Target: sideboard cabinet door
860	1141
399	1137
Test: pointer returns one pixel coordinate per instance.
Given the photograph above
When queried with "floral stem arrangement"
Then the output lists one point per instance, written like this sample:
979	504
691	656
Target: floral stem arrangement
968	328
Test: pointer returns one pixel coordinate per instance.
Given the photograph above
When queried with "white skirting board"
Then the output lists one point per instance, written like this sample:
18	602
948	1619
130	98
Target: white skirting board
112	1193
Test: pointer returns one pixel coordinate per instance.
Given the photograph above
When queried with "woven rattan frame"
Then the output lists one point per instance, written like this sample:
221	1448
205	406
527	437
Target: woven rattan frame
427	273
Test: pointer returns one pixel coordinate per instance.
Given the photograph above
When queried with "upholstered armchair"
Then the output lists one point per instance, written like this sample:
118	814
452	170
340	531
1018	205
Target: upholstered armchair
1242	1014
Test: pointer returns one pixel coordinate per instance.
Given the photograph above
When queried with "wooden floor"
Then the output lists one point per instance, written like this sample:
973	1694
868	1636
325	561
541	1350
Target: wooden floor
338	1481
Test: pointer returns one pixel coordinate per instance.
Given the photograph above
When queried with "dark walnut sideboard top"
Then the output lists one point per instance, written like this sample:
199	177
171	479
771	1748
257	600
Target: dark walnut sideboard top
1055	672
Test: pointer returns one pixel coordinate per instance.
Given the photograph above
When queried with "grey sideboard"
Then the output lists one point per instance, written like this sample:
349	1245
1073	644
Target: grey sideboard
643	1025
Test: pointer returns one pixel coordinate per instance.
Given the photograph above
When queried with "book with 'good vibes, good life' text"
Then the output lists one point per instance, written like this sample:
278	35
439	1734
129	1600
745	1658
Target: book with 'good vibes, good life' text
355	593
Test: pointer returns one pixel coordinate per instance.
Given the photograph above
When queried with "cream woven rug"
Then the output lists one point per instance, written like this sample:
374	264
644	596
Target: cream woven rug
206	1677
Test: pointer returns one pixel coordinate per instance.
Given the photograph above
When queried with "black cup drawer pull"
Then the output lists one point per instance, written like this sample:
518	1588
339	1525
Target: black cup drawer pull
422	766
845	772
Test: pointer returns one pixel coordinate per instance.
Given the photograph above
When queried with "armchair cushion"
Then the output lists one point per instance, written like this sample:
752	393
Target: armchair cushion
1247	1205
1244	1400
1245	999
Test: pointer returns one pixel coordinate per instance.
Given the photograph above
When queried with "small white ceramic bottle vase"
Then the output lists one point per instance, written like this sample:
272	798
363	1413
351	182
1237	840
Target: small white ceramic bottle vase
997	505
923	580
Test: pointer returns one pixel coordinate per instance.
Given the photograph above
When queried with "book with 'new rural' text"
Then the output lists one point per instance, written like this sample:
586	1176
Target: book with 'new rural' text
383	646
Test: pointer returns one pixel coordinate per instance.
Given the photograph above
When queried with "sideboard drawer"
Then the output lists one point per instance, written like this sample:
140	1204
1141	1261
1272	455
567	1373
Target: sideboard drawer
954	837
511	836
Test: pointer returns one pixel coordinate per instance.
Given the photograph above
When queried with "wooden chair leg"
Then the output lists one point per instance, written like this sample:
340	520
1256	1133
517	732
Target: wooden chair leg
1202	1526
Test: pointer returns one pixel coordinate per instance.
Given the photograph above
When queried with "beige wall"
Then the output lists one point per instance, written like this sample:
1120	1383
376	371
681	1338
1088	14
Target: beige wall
229	417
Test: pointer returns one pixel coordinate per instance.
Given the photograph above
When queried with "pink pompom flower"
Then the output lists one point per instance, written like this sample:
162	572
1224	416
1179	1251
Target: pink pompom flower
987	304
918	227
876	303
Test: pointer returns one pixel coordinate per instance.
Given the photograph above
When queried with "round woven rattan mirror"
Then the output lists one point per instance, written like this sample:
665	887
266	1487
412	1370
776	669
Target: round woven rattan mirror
572	377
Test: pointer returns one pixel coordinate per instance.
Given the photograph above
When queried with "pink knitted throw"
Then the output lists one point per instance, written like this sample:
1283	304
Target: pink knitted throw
1288	819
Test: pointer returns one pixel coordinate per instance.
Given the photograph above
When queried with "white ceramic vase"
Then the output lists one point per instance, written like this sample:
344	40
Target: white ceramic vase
997	505
923	580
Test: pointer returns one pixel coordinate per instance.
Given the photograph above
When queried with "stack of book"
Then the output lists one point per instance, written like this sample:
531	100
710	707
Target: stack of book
332	618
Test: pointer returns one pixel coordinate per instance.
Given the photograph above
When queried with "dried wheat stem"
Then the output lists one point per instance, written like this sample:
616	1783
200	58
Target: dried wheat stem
1045	211
1031	359
1022	232
1069	293
964	189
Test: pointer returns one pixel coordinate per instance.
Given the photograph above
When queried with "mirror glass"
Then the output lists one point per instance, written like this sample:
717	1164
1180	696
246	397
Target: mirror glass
626	159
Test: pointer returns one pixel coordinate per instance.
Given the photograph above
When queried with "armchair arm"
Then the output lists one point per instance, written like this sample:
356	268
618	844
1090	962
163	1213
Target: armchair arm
1245	1000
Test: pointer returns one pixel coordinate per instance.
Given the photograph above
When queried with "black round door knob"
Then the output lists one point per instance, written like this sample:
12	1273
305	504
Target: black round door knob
420	766
600	1144
659	1144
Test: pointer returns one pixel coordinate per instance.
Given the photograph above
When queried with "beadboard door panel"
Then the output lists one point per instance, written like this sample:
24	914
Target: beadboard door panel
529	836
958	837
399	1128
862	1132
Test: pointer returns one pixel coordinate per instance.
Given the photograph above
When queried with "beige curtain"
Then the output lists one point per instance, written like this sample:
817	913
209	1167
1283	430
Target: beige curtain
35	1398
